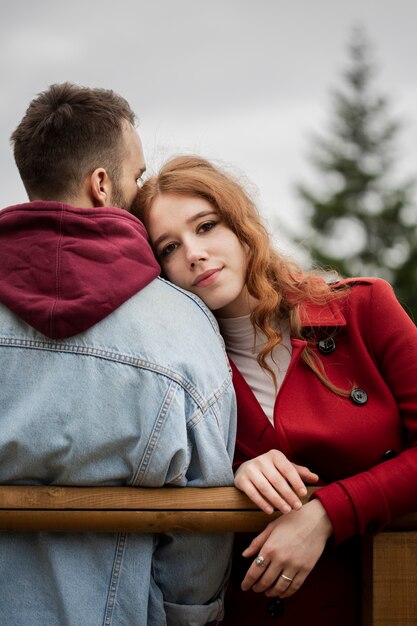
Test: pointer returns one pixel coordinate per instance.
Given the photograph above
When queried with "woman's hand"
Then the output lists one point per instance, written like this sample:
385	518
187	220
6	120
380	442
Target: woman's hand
271	481
287	551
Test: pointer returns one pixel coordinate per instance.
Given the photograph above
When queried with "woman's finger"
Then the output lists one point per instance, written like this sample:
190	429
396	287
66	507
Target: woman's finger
257	498
305	474
266	495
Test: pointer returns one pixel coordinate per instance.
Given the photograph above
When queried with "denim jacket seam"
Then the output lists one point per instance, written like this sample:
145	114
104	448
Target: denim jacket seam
115	578
196	419
109	355
211	405
154	437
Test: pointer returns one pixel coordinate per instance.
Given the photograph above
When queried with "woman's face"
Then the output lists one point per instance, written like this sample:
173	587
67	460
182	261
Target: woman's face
199	253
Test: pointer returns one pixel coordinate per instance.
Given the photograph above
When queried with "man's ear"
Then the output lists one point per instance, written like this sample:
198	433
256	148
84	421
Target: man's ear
100	187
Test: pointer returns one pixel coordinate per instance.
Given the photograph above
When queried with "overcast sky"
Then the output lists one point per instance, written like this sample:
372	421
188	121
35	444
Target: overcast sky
243	82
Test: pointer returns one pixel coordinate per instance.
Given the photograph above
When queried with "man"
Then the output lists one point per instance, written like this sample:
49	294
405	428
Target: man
108	376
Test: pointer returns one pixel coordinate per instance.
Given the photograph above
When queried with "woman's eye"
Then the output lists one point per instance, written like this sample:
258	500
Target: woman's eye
207	226
167	250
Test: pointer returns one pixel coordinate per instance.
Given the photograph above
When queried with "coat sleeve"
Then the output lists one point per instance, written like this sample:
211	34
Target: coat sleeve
366	502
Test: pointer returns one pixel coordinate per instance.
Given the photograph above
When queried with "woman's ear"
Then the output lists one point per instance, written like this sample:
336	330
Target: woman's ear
100	187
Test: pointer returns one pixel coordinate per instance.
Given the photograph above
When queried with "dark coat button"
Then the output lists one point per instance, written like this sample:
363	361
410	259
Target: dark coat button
276	608
359	396
389	454
326	345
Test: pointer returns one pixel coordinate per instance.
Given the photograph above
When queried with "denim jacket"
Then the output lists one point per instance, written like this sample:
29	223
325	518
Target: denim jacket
144	398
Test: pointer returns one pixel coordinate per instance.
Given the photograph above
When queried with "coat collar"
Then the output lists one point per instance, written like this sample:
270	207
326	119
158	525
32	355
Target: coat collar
322	315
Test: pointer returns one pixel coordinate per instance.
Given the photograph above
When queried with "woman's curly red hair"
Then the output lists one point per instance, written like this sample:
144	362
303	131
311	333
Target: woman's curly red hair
278	283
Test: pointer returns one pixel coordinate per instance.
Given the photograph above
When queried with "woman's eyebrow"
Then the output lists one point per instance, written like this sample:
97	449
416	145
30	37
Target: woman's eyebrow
197	216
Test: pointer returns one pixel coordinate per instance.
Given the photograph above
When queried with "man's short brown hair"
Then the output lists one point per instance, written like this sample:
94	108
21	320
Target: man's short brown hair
67	132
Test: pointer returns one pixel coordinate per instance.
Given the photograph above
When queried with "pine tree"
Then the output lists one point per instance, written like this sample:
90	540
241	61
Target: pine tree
363	222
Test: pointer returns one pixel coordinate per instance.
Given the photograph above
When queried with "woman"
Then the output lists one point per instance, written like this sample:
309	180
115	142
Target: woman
325	374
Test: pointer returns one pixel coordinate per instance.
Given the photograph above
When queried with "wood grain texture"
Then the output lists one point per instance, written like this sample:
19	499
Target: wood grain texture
390	580
389	559
137	509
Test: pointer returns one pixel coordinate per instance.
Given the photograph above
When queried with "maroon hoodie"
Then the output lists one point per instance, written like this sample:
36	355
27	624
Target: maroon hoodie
63	269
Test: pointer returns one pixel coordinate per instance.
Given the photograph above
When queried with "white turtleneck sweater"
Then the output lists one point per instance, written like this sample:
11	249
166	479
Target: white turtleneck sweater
243	346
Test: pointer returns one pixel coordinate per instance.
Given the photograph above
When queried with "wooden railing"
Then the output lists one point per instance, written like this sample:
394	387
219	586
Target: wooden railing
389	559
117	509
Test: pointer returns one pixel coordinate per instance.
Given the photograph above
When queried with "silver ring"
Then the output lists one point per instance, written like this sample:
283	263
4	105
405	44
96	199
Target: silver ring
287	578
260	561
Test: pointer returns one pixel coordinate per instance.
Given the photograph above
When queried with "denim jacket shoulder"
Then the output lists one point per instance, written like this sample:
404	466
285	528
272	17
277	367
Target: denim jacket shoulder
145	398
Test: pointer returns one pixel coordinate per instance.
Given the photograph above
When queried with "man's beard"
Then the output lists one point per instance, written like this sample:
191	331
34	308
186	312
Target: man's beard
118	199
135	205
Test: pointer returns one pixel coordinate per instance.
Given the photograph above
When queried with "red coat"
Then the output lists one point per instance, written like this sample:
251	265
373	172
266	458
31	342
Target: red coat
363	447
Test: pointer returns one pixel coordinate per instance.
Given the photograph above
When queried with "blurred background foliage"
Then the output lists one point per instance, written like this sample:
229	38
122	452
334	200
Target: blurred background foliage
361	217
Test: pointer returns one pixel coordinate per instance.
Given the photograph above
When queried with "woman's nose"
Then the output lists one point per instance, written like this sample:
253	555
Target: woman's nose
195	253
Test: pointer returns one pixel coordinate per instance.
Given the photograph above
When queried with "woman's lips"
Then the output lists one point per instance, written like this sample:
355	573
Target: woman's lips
207	278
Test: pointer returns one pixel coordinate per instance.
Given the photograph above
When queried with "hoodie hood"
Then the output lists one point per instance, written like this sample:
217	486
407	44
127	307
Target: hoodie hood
63	269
